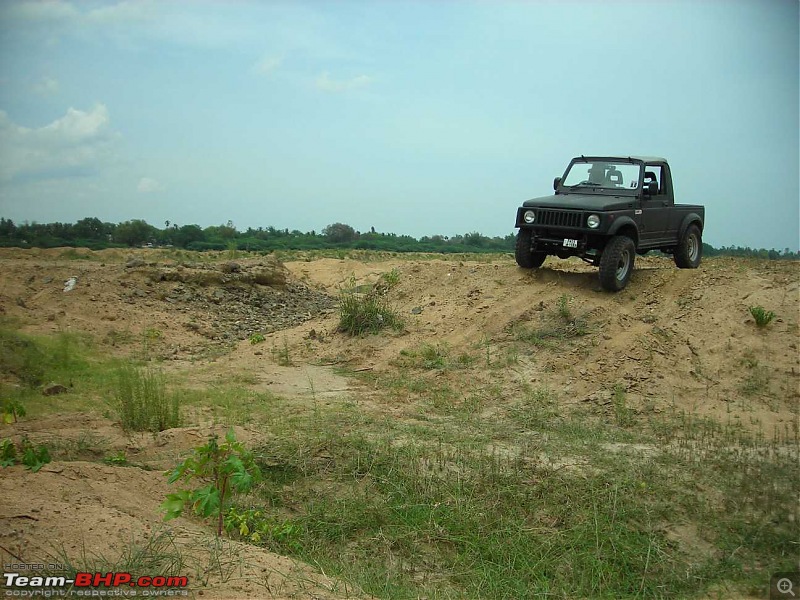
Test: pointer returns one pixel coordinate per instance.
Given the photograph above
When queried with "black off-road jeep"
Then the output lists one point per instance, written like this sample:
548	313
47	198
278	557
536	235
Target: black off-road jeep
606	210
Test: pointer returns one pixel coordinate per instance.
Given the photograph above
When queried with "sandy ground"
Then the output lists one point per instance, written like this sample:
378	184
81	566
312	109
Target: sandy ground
673	340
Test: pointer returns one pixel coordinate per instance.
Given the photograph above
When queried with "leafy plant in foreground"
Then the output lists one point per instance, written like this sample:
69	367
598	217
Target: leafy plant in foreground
227	468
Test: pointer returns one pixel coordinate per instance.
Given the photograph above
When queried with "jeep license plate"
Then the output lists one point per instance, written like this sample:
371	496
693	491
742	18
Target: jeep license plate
570	243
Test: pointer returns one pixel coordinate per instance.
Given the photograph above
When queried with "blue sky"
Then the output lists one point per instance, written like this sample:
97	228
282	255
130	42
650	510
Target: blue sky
411	117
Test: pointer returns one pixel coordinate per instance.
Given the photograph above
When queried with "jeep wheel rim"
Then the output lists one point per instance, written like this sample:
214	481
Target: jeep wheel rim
692	248
624	265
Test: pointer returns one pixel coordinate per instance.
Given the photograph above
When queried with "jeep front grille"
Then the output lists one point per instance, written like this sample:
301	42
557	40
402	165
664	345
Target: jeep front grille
559	218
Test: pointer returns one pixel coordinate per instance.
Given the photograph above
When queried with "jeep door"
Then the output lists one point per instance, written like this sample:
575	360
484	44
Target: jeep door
656	208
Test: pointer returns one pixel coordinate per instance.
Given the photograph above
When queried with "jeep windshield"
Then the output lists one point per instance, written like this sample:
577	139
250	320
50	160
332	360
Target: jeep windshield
602	175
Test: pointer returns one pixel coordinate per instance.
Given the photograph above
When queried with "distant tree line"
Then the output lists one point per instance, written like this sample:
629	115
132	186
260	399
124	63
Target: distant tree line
93	233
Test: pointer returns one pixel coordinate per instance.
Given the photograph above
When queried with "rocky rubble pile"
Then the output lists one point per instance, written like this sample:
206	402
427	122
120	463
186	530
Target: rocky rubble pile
228	301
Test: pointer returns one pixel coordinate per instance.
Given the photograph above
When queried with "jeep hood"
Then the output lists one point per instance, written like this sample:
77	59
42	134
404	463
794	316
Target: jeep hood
597	202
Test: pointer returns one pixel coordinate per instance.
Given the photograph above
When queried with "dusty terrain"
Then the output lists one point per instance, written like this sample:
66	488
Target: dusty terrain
678	340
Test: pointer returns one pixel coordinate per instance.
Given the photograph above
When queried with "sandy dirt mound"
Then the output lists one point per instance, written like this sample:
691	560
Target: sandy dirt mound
683	338
178	308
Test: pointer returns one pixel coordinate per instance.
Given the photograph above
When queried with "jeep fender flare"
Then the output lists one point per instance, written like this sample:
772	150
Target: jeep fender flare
691	218
628	224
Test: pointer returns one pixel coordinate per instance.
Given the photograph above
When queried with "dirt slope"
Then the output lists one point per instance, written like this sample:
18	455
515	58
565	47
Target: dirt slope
683	337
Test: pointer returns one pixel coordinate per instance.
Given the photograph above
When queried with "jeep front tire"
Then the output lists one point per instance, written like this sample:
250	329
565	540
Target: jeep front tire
616	263
526	258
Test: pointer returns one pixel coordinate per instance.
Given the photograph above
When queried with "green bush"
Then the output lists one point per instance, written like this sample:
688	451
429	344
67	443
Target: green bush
762	316
365	313
142	400
257	338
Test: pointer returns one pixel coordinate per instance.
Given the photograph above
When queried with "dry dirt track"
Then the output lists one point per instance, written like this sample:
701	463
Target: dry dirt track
674	339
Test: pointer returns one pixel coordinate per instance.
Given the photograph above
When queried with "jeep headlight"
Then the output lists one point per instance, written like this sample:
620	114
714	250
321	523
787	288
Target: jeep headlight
529	216
593	221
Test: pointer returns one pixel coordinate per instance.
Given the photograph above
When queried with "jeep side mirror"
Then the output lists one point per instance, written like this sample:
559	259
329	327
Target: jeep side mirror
556	183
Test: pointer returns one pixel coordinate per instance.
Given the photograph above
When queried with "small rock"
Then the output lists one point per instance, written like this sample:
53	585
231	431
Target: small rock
417	310
134	262
54	389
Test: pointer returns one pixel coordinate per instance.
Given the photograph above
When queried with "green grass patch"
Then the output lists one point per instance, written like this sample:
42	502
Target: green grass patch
32	362
552	327
583	509
437	356
36	360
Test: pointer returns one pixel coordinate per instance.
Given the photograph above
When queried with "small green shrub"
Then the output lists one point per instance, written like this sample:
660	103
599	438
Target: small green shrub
33	457
257	527
119	459
257	338
622	413
564	310
227	467
762	316
142	400
432	356
365	313
233	250
282	356
8	453
392	278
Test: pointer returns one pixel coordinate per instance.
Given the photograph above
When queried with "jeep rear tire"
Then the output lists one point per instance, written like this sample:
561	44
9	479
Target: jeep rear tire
616	263
526	258
690	249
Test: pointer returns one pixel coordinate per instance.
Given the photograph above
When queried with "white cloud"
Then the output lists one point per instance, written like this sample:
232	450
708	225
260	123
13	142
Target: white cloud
324	82
75	144
148	185
267	65
46	86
